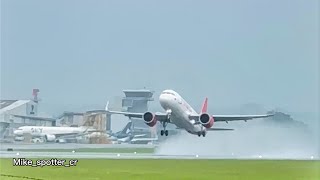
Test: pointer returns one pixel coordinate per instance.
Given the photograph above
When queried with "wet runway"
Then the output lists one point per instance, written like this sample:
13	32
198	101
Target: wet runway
87	155
18	151
5	146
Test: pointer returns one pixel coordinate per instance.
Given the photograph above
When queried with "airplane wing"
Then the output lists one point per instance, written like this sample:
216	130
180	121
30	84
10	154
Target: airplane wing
129	114
226	118
159	116
67	136
217	118
139	135
143	139
215	129
219	129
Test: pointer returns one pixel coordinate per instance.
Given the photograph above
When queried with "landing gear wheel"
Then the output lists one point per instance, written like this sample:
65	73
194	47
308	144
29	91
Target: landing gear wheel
161	132
203	133
164	131
199	134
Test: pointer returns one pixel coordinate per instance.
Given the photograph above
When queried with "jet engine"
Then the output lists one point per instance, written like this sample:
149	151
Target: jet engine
50	137
150	119
206	120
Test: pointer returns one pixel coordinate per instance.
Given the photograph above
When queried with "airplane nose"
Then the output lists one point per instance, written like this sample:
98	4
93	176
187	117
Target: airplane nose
164	100
18	132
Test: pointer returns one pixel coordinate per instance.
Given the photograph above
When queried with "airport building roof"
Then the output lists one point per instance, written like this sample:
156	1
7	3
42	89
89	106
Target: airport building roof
141	93
7	105
36	118
138	90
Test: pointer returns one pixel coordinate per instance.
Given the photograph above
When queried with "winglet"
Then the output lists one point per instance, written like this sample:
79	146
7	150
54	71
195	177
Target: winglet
204	106
107	106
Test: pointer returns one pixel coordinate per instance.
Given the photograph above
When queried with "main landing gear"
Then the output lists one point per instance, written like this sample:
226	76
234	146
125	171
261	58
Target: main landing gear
203	133
164	131
165	123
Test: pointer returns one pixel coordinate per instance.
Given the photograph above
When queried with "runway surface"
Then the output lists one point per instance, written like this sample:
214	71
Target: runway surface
5	146
18	150
86	155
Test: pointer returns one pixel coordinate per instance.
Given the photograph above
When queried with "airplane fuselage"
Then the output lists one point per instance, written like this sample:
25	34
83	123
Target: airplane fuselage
41	130
180	110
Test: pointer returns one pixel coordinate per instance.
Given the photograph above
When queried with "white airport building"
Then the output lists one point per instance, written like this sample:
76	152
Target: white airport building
16	113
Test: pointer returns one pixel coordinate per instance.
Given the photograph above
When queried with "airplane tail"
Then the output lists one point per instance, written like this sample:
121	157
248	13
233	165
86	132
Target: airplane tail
107	106
126	128
204	107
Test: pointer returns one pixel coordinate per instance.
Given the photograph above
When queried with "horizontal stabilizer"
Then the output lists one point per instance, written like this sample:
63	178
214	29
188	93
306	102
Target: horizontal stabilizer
219	129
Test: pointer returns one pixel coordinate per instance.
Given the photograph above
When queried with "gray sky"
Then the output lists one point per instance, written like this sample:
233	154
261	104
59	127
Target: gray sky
81	53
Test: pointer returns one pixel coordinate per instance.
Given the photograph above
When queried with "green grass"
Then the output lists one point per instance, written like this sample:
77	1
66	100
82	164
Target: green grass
96	150
89	169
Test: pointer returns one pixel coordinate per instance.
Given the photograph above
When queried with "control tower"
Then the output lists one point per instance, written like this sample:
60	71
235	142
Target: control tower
136	100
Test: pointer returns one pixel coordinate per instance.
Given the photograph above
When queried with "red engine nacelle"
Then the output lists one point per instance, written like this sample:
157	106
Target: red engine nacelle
206	120
150	119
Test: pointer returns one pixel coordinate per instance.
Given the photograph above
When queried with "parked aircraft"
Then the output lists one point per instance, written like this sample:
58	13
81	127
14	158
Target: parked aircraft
51	133
126	135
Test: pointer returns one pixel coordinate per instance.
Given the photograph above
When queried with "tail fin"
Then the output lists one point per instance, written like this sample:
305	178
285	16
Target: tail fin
204	106
126	128
107	106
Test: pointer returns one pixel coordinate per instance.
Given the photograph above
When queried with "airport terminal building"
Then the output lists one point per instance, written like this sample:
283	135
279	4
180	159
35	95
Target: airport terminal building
16	113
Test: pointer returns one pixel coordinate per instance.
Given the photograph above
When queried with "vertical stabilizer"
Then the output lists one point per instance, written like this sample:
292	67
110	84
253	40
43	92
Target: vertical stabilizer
127	128
204	107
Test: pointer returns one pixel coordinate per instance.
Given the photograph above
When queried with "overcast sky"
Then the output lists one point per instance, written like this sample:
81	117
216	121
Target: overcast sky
81	53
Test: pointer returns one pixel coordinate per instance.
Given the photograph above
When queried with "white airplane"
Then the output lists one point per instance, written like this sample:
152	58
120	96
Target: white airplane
51	133
125	135
180	113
